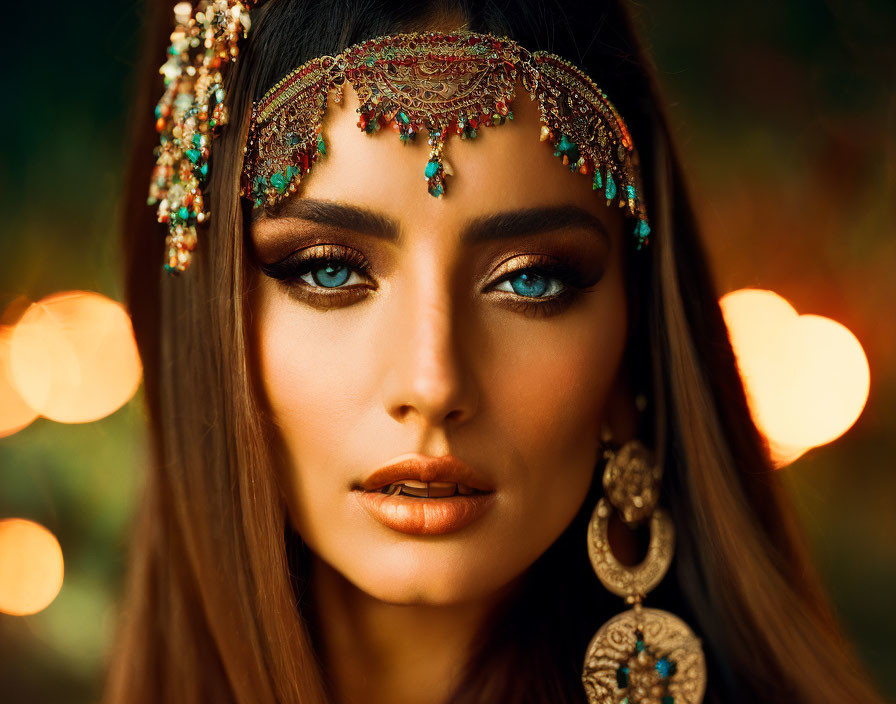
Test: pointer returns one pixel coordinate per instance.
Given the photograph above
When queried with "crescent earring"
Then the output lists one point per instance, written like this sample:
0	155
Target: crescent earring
642	655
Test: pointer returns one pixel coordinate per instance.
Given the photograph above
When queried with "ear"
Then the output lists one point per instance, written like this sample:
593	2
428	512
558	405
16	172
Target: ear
620	412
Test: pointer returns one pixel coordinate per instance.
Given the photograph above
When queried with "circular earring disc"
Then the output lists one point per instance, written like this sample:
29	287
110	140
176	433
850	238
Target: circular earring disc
644	656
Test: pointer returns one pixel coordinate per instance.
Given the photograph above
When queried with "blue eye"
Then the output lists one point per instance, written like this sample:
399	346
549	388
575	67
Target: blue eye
331	275
531	283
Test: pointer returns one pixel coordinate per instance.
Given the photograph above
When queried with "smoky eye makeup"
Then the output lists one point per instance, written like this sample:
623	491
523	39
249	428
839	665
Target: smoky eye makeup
534	283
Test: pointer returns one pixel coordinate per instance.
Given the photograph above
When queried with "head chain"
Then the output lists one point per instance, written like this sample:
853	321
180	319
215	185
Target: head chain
446	83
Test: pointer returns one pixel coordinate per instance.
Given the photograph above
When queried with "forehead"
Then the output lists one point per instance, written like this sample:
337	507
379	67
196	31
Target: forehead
506	167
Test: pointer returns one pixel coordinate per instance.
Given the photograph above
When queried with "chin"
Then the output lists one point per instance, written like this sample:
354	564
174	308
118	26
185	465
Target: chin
407	577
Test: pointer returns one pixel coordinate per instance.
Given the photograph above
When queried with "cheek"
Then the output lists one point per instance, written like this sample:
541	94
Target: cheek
313	375
554	377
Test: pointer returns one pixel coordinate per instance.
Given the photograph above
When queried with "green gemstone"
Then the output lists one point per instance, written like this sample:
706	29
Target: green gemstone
193	155
432	168
203	170
642	229
403	117
610	190
279	181
630	191
598	182
183	213
321	147
436	190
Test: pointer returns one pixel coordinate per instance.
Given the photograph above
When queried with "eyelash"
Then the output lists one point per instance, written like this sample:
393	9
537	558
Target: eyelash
293	268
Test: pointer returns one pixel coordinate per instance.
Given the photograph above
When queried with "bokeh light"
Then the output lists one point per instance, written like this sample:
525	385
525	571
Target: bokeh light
73	357
807	376
15	414
31	567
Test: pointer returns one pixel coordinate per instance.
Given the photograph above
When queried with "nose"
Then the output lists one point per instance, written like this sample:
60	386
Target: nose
428	373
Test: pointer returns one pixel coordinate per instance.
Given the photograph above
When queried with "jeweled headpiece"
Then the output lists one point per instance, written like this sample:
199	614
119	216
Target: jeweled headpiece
188	115
443	82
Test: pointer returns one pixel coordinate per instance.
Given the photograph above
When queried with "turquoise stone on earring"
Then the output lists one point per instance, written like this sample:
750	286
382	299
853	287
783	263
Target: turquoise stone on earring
598	182
321	147
432	168
665	667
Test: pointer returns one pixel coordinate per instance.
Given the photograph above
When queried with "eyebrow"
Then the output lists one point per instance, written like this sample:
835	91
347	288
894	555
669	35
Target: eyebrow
485	228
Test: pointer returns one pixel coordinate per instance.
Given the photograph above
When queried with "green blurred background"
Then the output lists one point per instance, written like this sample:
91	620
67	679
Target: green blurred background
786	119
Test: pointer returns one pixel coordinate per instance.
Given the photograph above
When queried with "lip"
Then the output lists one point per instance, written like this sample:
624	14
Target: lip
423	516
418	516
447	468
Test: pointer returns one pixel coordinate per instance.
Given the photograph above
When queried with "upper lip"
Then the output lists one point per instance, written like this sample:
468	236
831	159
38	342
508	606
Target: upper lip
447	468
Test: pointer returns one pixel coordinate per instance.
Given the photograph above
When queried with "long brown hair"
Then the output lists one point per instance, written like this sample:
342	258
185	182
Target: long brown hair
216	606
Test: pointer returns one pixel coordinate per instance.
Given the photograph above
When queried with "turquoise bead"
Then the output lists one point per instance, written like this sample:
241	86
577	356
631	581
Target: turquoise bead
610	190
665	667
183	213
630	191
432	168
278	181
193	155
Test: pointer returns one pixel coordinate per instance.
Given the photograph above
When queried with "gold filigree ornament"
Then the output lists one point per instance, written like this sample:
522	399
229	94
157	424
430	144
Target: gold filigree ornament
643	655
632	480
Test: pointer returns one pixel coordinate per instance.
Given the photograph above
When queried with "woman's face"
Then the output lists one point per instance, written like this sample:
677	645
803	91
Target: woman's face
488	324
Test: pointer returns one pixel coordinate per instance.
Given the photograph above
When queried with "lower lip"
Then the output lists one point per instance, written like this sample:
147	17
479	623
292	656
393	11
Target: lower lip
420	516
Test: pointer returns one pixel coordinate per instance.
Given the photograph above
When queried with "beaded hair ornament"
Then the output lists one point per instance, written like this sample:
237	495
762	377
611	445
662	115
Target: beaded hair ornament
188	115
446	83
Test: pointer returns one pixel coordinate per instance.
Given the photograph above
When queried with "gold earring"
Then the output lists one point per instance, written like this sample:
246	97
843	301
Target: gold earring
643	655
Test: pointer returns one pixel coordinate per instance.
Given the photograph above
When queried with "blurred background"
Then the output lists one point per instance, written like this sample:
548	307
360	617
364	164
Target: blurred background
785	114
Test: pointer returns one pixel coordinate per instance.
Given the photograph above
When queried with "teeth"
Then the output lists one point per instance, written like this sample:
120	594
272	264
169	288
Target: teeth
413	483
412	487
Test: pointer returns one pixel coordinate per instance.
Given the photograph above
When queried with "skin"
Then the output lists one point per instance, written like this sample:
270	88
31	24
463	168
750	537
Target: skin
430	358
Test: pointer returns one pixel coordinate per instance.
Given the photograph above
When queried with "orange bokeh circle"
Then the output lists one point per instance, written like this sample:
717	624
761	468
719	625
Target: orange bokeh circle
807	376
73	357
31	567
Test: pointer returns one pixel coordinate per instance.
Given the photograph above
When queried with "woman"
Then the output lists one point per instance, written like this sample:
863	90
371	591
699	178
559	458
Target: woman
511	326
